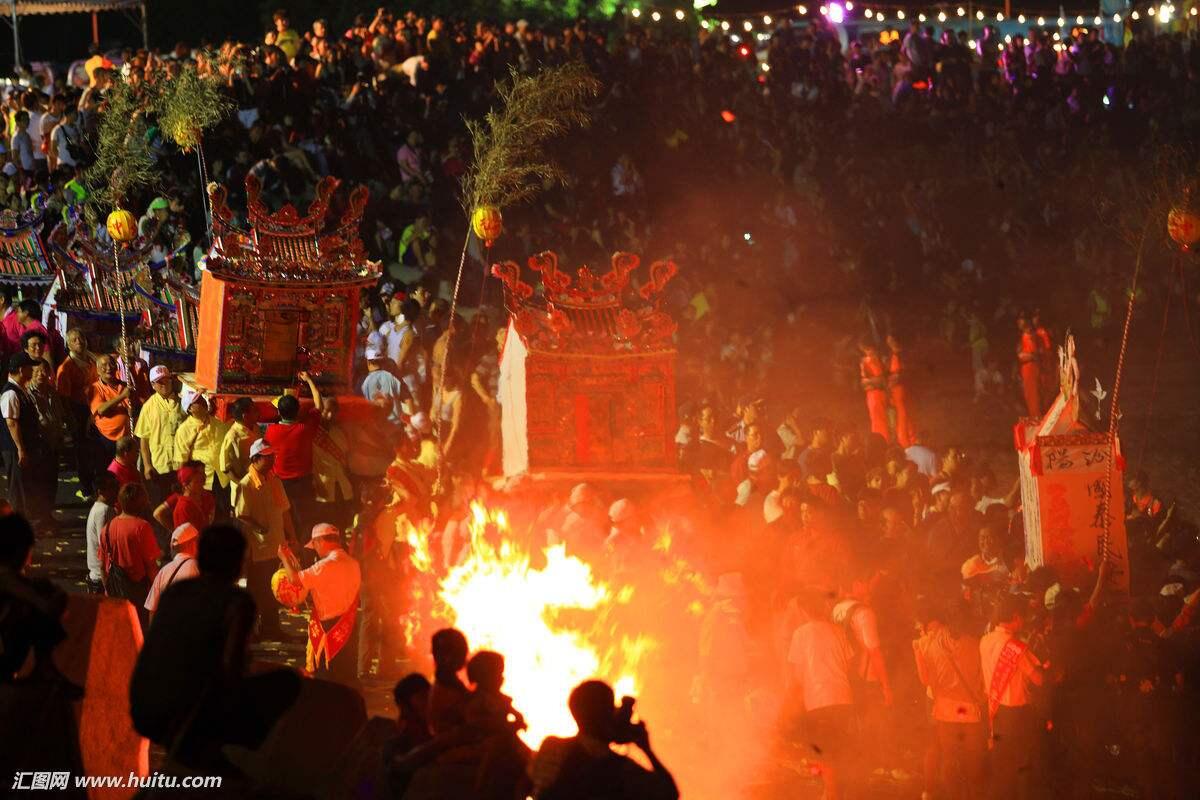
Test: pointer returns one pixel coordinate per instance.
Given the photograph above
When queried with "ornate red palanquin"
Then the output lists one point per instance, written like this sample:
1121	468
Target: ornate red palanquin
281	297
587	384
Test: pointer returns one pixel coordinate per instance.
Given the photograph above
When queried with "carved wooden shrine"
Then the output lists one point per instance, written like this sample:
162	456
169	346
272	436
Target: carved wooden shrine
587	381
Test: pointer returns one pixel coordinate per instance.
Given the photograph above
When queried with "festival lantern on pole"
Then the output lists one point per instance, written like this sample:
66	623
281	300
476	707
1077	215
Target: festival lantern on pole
122	227
289	593
487	223
1183	226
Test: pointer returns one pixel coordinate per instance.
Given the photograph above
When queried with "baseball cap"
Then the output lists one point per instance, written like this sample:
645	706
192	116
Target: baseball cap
196	398
184	533
159	373
261	448
323	530
159	202
373	352
186	473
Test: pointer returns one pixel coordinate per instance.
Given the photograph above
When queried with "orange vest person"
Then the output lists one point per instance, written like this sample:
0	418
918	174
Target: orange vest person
874	382
905	430
1031	371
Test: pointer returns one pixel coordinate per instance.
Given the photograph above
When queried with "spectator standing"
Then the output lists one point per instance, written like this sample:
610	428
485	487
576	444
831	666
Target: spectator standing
262	509
185	542
124	463
291	441
25	316
192	504
103	509
23	444
1010	671
21	146
108	399
74	379
157	423
401	343
52	417
128	550
199	438
239	439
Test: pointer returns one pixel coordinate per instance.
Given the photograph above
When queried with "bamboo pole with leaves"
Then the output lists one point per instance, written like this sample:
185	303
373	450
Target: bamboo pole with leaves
510	164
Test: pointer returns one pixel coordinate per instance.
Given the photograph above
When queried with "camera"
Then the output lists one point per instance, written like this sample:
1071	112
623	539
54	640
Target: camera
625	730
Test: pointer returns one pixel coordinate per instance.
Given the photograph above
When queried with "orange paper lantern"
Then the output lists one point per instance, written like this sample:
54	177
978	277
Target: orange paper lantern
487	224
286	591
1183	226
122	226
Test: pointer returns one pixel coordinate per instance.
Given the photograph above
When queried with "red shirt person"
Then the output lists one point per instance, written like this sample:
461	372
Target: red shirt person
898	395
291	440
1029	359
873	379
192	504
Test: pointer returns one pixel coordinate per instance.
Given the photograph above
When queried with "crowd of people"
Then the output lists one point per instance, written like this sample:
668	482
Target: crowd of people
876	212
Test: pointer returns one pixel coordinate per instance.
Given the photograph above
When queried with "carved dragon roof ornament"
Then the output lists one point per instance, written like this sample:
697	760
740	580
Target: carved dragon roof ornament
588	314
285	247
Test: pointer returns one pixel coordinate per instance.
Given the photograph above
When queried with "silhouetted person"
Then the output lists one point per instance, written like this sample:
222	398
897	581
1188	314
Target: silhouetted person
37	717
189	692
585	767
448	697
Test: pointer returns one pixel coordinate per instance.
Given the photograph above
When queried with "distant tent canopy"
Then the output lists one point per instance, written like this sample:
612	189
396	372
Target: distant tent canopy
25	8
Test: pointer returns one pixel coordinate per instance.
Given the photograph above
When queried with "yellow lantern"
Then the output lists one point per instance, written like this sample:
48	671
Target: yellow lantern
186	136
122	226
289	593
1183	226
487	224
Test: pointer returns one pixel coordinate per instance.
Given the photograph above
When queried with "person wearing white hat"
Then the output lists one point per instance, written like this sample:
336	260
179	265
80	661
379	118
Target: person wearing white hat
157	424
185	543
199	438
333	582
263	510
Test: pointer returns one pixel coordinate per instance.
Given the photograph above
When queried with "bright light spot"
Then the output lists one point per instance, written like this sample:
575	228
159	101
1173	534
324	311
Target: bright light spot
656	16
899	15
679	14
1135	15
746	236
735	38
1195	11
766	20
941	16
1021	18
971	44
766	67
837	13
728	116
1000	47
869	14
962	12
920	17
1042	21
1061	22
999	17
882	16
725	25
747	26
1008	38
1058	48
1057	37
1097	21
824	11
1152	11
1105	100
1164	14
704	24
849	6
1079	20
1116	17
802	10
979	15
637	12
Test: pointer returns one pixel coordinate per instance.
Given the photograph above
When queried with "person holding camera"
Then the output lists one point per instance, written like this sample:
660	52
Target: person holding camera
585	767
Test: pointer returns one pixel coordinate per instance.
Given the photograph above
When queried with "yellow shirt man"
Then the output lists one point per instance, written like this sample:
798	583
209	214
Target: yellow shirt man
156	427
234	459
263	509
201	441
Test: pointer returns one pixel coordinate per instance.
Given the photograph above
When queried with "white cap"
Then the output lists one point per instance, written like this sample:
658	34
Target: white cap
373	352
755	461
159	373
261	448
622	510
941	487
